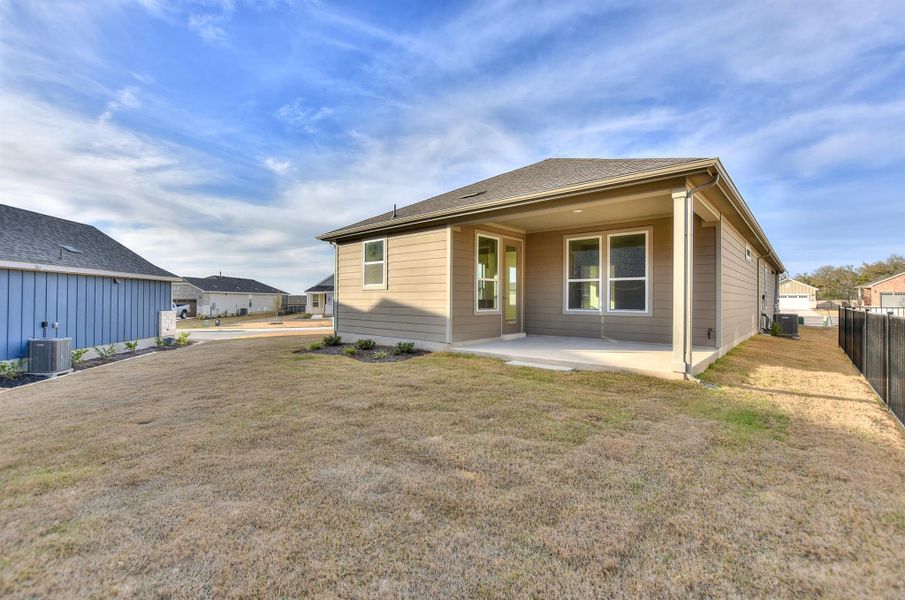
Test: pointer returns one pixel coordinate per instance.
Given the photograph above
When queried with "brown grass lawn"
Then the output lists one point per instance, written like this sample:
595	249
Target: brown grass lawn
233	469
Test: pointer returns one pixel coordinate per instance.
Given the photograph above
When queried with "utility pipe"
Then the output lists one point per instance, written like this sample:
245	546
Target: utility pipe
688	253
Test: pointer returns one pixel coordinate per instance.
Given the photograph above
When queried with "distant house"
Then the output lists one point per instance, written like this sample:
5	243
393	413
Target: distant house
796	295
320	297
218	296
60	278
888	292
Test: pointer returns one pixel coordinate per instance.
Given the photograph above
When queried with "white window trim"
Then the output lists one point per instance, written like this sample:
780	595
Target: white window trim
498	309
749	254
648	279
567	280
374	286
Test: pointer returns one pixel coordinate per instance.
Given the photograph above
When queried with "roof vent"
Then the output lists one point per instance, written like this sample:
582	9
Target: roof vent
472	195
68	249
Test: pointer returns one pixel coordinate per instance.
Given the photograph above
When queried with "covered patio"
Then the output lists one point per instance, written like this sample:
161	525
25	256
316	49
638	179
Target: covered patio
589	354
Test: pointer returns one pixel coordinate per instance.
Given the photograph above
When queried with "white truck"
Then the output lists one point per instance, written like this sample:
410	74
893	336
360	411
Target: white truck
182	310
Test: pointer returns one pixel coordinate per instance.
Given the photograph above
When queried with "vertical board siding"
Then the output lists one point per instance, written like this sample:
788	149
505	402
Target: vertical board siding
90	310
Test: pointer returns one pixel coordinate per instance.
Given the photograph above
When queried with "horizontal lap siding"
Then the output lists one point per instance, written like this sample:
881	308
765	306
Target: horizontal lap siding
738	286
704	287
90	310
545	279
414	306
466	325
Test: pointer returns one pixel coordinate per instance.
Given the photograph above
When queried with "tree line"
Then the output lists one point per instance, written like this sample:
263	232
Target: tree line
840	282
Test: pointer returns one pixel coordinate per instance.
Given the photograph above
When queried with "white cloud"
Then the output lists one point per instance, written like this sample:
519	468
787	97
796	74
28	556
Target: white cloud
280	167
298	116
209	27
125	98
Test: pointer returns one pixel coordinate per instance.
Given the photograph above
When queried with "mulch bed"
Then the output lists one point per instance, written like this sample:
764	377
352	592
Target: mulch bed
366	355
88	364
96	362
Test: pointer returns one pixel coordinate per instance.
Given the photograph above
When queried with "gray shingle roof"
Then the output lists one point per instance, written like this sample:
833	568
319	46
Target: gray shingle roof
218	283
30	237
325	285
546	175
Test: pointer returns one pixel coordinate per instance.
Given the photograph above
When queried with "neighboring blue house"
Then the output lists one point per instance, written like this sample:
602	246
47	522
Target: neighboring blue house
78	281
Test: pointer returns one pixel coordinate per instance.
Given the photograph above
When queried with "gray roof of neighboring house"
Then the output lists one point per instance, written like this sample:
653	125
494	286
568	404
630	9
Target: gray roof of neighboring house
881	280
218	283
325	285
546	175
33	238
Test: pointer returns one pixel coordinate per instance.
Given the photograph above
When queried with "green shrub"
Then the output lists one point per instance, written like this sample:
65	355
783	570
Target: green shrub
304	315
183	338
12	369
160	342
379	355
365	344
315	346
350	351
332	340
404	348
105	352
776	329
78	355
131	346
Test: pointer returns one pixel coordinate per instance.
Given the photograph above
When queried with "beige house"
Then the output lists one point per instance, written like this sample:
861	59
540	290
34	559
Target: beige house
796	295
647	265
320	298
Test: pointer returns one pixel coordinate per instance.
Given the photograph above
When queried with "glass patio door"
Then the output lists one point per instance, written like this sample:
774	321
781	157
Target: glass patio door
512	282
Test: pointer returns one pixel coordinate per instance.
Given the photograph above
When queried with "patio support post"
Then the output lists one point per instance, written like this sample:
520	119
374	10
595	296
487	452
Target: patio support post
682	277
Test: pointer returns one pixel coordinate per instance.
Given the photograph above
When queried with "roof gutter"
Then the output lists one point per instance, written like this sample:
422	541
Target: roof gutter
525	199
21	266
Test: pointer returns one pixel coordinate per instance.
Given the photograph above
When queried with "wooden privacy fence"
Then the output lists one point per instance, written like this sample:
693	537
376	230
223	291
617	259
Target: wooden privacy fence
876	345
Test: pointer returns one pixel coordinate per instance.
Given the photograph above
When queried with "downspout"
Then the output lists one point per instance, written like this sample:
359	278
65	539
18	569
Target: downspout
688	215
761	297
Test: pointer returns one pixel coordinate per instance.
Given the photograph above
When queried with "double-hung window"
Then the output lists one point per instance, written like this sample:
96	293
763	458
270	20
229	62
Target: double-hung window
583	274
374	264
628	275
487	276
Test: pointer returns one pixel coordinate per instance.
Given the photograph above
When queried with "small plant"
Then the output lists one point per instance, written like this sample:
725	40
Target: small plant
304	315
105	352
332	340
404	348
12	369
379	355
160	341
78	355
365	344
315	346
183	338
349	350
776	329
131	346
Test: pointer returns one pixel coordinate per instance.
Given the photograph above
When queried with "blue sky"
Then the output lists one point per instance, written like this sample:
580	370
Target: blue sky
224	135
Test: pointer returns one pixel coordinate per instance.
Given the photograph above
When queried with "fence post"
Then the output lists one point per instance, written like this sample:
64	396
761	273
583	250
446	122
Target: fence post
864	333
886	355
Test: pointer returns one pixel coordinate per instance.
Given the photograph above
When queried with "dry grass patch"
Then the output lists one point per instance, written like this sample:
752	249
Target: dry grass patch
279	474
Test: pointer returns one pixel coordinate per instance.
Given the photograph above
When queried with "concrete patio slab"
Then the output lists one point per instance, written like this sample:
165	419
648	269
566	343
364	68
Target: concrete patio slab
589	354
